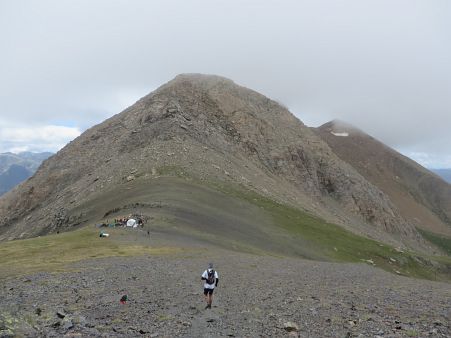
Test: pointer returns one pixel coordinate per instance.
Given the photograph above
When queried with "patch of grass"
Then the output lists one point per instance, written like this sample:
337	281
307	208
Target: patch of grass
8	324
171	170
367	317
441	241
412	333
53	252
164	317
117	321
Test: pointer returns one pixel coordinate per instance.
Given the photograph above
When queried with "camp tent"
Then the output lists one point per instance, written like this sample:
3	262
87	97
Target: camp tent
132	223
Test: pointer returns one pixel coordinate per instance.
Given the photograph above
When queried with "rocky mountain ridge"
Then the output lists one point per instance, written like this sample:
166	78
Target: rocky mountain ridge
422	197
211	129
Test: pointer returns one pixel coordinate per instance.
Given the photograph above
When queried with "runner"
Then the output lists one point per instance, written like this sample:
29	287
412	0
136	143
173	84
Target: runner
211	278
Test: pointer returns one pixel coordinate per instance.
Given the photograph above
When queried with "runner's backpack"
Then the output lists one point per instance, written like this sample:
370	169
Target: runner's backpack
211	276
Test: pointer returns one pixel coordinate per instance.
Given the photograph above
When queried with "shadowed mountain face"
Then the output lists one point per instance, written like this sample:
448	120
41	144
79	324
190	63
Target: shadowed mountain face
211	130
13	176
423	198
16	168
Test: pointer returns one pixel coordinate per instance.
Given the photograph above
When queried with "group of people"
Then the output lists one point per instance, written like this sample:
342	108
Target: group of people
123	221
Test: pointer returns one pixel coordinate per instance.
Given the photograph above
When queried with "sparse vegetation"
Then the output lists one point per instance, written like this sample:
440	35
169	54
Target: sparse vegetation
171	170
441	241
412	333
54	252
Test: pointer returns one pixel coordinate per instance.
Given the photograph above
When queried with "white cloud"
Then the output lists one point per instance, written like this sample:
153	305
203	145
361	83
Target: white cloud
37	138
429	160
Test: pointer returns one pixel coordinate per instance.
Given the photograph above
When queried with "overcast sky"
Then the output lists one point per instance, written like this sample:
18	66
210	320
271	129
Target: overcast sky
384	66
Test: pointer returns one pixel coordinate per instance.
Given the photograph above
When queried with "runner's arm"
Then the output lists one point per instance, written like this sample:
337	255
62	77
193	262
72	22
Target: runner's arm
217	281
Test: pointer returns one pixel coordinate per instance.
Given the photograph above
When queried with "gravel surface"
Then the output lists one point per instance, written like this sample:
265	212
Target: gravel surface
256	296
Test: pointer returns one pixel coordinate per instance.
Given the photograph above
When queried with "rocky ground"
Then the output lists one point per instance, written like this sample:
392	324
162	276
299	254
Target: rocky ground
257	296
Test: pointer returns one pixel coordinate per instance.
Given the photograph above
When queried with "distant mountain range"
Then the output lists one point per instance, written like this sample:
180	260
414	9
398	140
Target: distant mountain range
16	168
443	173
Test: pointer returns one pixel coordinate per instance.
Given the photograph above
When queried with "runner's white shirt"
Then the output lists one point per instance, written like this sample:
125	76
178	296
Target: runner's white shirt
205	275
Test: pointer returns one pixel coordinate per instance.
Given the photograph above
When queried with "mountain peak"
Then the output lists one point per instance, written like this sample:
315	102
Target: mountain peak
201	81
200	77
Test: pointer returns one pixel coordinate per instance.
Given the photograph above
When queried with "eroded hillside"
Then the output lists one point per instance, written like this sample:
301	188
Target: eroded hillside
422	197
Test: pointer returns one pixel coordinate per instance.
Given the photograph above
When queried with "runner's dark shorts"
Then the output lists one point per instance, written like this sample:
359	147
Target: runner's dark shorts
208	291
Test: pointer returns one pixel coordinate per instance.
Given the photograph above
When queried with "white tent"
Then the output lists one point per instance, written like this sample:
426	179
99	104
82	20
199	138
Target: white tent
132	223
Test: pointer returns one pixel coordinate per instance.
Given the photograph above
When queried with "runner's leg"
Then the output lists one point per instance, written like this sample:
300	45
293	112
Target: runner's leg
210	300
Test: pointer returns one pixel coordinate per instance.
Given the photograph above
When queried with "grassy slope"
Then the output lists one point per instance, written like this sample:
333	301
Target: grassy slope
54	252
221	215
443	242
338	244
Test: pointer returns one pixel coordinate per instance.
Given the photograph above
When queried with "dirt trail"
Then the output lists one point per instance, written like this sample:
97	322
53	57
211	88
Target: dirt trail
201	325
